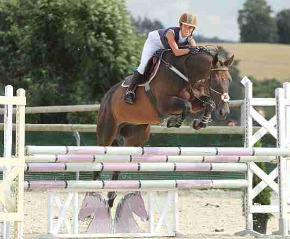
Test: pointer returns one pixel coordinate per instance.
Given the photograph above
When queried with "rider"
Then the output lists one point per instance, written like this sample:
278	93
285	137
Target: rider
170	38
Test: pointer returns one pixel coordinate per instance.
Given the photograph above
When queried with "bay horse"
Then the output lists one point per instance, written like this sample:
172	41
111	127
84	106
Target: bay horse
182	85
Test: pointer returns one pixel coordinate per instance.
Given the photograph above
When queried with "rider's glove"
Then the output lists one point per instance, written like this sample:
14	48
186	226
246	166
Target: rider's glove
193	50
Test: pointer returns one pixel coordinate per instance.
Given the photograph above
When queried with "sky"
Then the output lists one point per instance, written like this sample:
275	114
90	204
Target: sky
216	18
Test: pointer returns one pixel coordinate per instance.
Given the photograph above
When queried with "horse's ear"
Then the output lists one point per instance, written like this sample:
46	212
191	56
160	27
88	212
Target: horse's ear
229	62
215	60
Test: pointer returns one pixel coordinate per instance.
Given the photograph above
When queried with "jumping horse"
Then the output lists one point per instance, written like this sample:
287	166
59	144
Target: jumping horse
181	86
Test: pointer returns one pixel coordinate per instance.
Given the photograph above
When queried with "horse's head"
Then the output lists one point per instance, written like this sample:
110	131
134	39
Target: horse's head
138	206
90	203
220	80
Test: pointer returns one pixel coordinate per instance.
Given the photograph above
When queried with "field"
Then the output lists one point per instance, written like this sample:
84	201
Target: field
262	61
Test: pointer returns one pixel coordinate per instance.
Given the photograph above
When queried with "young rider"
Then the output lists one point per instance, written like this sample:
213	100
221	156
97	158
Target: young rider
170	38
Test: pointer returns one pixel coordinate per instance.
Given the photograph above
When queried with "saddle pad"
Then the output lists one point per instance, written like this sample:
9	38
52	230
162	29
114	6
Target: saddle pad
150	72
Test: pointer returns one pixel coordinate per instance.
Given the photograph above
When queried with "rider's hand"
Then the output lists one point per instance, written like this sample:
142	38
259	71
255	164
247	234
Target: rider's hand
194	50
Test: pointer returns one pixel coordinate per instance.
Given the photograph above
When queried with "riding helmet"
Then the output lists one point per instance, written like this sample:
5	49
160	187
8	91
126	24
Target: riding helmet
188	19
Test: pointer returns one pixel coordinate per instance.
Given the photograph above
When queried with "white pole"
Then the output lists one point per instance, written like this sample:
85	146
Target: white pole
286	87
150	204
76	195
19	152
7	149
175	212
248	144
50	212
282	167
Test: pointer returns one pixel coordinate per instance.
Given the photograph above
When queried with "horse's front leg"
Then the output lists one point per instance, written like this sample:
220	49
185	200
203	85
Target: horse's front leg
113	195
204	119
178	108
175	105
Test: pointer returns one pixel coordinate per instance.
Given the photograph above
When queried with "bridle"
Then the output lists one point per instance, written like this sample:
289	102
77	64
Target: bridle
225	96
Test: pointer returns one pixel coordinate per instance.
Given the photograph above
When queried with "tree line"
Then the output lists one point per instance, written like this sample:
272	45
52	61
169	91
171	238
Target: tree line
257	23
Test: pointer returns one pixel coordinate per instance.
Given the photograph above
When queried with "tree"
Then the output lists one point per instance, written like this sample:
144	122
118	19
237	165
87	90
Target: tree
256	23
66	51
283	24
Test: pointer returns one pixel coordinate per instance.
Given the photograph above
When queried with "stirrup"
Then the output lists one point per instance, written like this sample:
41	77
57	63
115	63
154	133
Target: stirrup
131	93
129	97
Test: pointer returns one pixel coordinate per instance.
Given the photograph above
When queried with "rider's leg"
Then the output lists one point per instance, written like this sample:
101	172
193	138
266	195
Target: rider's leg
151	45
130	92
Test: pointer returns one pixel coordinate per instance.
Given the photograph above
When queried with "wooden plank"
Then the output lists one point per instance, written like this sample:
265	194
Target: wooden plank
85	108
12	100
155	129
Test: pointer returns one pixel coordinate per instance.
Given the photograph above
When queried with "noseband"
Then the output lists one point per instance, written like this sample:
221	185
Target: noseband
225	96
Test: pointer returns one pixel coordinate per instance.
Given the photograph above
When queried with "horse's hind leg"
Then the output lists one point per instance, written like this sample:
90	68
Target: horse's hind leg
113	195
134	135
106	131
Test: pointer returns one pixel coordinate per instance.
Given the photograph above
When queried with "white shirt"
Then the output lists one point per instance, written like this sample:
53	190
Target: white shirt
181	38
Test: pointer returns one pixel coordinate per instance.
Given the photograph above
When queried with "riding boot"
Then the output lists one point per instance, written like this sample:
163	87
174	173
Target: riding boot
129	97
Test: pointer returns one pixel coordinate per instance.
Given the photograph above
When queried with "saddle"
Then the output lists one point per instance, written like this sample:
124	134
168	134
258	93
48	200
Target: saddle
150	70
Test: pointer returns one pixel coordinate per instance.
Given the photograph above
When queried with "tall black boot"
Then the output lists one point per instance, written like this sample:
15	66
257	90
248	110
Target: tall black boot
129	97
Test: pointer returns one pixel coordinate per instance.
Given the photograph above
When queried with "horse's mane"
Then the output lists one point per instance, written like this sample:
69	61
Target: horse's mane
121	204
97	195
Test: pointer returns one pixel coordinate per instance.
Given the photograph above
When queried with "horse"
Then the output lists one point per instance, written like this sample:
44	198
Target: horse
124	221
182	86
102	221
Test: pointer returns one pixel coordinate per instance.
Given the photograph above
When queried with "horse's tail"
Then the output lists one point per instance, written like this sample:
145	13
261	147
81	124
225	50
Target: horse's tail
105	115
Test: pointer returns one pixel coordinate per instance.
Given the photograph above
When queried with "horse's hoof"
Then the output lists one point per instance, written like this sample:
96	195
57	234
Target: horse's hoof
171	122
111	198
195	125
111	203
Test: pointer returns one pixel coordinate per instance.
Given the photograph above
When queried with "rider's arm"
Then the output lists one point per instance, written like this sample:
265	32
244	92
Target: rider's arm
173	45
192	42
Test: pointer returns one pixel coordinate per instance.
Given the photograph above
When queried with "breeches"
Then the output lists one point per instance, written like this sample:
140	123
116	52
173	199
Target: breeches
152	44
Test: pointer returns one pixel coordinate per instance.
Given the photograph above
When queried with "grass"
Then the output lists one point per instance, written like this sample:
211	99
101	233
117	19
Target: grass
262	61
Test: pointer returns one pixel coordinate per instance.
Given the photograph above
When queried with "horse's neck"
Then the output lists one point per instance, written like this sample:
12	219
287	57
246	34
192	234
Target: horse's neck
124	221
125	212
100	221
177	62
